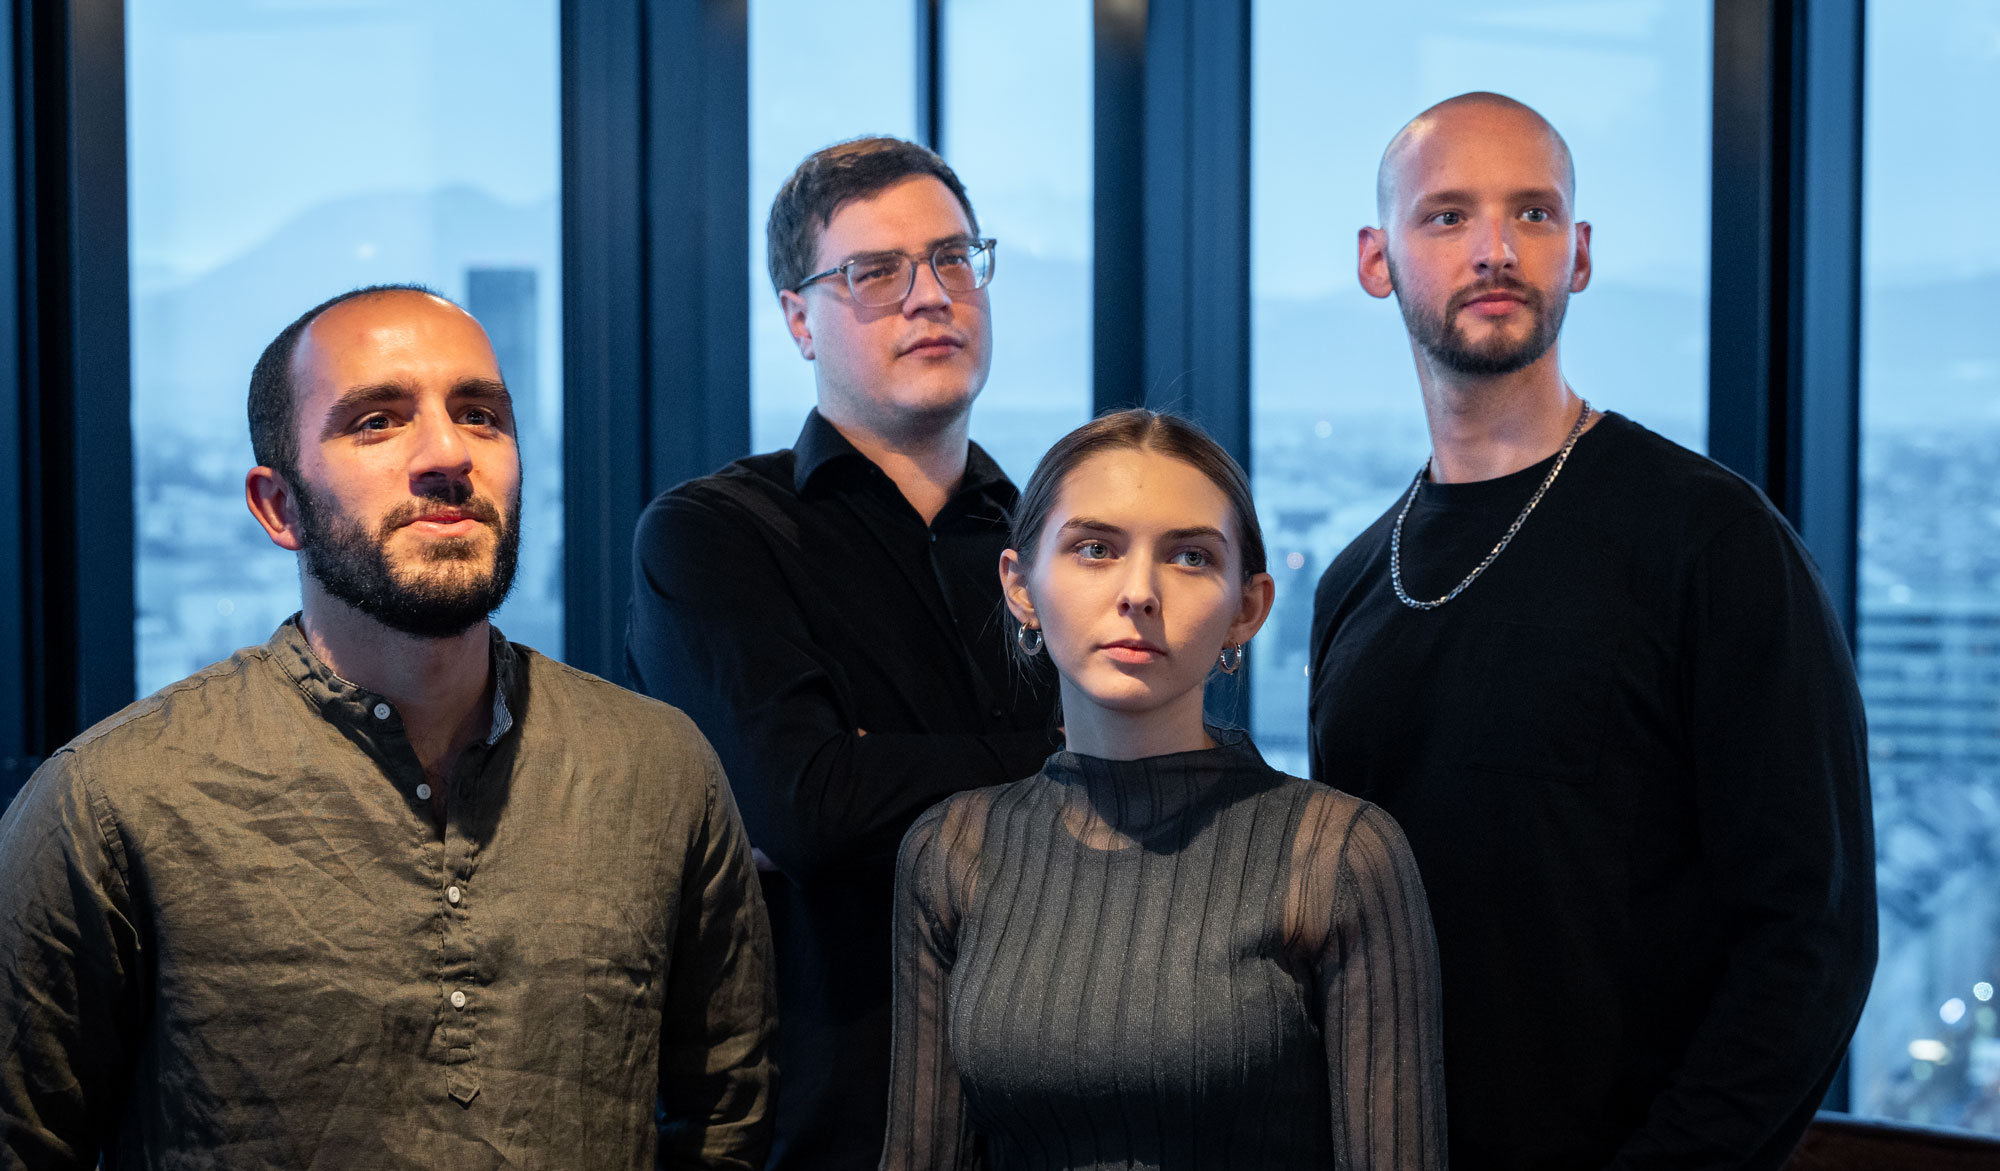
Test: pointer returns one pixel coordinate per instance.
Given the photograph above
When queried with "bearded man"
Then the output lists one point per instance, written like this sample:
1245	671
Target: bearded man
1595	678
388	890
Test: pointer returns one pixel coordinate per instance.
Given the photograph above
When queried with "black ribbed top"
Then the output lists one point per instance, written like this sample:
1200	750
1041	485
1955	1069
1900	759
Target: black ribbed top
1190	960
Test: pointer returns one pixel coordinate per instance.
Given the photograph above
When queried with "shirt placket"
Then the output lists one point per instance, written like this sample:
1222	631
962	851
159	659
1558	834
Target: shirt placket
460	981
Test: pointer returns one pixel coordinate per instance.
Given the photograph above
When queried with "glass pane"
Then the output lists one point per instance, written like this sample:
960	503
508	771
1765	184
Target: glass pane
819	73
1337	425
1018	112
1929	1045
280	154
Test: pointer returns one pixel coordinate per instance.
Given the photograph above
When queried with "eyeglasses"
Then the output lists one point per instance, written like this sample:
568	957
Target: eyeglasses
886	278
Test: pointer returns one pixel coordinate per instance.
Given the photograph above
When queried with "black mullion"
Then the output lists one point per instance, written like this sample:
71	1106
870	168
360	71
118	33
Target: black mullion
604	340
930	73
1784	303
1118	257
70	599
19	709
656	342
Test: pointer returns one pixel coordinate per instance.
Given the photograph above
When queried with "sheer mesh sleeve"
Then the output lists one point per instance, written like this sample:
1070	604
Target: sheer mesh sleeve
927	1115
1366	924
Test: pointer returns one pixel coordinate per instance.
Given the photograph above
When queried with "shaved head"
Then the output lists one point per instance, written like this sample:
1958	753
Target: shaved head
1424	126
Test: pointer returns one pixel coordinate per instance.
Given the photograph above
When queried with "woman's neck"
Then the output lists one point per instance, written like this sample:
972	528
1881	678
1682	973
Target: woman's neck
1094	730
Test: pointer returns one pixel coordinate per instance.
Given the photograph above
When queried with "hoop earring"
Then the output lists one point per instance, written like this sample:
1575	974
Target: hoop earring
1230	659
1029	639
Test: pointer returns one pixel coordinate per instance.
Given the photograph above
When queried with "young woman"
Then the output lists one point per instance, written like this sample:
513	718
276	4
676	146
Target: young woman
1158	951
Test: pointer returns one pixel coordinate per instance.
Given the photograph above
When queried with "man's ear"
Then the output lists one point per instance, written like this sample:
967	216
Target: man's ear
1014	588
794	306
1580	278
1372	262
275	506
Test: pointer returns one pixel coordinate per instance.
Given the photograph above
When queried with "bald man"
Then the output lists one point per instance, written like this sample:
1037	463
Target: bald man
387	891
1596	679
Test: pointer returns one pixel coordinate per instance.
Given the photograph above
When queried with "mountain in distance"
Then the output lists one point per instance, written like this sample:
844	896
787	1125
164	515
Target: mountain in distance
1635	349
193	344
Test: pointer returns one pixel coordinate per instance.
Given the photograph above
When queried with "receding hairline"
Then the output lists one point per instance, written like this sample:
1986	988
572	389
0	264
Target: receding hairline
367	296
1477	99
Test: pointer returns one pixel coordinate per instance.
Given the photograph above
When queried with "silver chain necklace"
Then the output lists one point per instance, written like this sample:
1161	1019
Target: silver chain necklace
1396	537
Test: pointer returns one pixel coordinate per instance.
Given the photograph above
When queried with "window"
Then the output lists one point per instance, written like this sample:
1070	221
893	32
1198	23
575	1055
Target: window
1017	129
280	155
819	73
1337	426
1928	1049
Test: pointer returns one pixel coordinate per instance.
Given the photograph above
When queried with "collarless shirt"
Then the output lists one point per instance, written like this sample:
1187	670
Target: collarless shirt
1632	764
790	603
232	933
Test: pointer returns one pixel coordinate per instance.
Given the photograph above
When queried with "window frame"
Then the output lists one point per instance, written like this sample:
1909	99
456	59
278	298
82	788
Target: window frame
656	373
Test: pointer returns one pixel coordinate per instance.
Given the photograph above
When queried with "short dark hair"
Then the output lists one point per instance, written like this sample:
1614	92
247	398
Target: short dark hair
274	433
831	176
1137	429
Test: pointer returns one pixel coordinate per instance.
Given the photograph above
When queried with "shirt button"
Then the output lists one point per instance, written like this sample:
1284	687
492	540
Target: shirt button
381	711
451	895
423	792
458	1000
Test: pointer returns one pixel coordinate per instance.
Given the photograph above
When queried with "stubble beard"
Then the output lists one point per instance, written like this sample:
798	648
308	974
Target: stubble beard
1436	331
440	600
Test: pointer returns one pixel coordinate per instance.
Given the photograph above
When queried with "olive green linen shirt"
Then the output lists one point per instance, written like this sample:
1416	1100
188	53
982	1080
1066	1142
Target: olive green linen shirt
233	935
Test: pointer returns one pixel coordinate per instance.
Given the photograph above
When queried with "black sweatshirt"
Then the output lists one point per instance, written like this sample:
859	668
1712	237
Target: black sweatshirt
789	603
1630	760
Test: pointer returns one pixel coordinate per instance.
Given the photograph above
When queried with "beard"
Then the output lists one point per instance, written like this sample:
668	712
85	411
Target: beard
444	595
1438	334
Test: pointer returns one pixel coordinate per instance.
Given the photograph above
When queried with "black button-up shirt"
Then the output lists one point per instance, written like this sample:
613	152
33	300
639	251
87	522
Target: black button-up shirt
232	934
790	603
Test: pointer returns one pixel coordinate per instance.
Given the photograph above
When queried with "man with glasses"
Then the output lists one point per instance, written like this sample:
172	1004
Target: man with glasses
829	614
1596	680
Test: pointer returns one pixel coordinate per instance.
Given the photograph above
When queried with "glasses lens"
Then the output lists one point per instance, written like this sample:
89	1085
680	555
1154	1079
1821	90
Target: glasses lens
879	280
962	268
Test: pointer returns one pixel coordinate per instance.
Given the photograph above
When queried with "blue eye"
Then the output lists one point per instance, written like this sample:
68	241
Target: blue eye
1193	558
1537	215
1447	219
1093	550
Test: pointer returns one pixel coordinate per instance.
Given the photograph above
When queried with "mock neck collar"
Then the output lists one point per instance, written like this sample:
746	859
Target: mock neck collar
1156	801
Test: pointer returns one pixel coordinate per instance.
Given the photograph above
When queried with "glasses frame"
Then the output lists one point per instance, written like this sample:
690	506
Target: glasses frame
974	244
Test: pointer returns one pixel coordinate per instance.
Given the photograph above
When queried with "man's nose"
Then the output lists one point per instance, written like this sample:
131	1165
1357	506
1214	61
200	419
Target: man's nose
1493	246
441	449
926	290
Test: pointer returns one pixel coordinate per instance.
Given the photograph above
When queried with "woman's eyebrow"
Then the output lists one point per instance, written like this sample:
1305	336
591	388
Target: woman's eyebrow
1085	524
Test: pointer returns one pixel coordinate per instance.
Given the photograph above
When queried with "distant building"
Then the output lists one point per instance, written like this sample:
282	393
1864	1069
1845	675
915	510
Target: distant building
1932	676
503	299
